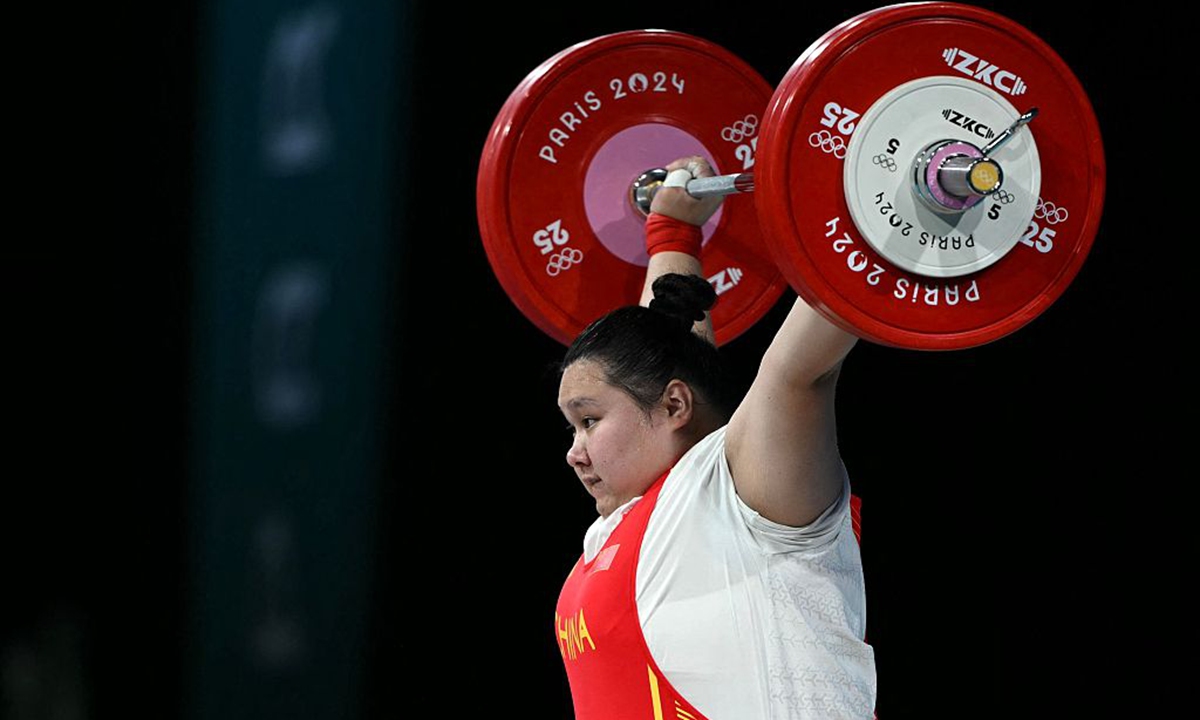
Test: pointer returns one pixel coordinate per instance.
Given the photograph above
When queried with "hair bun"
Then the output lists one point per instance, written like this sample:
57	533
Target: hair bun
684	297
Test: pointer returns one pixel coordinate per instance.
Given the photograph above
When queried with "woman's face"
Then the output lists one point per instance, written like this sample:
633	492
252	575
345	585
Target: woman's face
618	450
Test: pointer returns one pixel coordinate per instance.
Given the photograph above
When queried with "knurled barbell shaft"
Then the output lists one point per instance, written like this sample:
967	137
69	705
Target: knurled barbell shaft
645	187
720	185
962	177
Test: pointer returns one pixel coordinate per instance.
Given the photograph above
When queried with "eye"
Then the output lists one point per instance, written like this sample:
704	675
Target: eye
585	423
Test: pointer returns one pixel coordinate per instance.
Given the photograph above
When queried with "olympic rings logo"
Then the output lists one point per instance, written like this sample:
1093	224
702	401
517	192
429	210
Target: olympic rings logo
1049	212
884	161
741	129
563	261
1004	197
832	144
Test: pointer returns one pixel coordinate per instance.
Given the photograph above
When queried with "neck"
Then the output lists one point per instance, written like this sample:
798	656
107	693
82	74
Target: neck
700	427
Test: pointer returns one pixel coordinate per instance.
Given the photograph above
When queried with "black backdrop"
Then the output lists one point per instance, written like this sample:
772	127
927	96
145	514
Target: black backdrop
1017	554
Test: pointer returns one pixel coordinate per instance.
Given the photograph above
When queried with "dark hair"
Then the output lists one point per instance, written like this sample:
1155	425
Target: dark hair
643	348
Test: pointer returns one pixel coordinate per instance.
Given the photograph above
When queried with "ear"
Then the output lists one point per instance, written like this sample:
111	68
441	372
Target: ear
679	403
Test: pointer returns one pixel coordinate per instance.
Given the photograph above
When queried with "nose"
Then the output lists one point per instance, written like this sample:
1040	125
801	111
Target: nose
577	453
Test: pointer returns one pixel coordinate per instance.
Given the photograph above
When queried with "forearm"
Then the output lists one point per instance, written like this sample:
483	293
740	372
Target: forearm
664	263
807	348
673	234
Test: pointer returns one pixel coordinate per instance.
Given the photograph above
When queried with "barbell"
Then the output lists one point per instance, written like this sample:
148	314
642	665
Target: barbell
927	175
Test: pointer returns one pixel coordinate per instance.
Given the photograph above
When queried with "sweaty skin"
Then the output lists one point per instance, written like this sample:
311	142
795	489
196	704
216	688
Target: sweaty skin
618	449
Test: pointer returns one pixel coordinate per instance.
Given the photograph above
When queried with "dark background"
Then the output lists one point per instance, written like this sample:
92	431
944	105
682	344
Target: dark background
1019	559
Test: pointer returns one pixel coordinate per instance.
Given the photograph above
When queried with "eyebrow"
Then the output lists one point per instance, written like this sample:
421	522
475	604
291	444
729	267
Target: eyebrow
578	402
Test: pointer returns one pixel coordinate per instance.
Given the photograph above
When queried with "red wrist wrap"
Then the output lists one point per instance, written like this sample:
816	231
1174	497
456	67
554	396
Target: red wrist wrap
665	233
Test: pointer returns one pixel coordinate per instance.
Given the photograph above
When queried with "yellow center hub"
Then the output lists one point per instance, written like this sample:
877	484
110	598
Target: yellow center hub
985	176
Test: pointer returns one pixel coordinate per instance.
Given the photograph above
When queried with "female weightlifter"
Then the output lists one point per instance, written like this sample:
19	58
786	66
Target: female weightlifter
722	578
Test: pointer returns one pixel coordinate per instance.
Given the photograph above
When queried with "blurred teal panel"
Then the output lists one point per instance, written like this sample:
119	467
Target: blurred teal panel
291	321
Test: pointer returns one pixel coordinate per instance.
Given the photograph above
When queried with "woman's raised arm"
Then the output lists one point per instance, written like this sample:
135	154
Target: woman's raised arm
782	439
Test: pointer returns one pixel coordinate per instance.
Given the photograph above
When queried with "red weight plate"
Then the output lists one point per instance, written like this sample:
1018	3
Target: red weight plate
554	178
802	201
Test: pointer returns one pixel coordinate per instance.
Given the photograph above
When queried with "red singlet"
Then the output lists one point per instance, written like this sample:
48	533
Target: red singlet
609	667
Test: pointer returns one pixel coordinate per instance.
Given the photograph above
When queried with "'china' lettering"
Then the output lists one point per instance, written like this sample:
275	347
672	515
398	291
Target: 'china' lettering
573	636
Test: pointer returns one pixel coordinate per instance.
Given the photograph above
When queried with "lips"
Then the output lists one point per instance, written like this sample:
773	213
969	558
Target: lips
589	481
